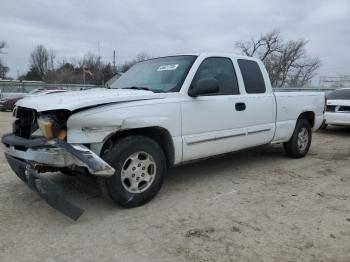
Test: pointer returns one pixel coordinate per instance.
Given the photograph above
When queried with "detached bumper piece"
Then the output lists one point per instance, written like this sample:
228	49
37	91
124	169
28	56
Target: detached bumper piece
52	193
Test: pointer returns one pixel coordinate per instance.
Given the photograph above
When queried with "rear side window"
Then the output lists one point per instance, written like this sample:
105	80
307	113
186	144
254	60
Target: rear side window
221	69
339	94
252	77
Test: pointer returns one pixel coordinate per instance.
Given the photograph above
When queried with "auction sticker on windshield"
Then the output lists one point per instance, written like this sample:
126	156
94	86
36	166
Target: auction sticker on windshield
167	67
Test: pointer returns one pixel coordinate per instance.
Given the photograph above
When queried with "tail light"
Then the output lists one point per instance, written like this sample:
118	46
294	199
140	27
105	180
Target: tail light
325	105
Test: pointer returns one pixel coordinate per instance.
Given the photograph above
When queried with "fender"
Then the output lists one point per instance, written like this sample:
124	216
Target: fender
96	125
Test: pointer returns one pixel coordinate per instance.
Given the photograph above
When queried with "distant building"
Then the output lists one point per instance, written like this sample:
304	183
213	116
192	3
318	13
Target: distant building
335	81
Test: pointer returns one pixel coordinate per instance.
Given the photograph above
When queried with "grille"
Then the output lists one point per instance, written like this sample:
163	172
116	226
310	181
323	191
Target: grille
344	108
330	109
25	124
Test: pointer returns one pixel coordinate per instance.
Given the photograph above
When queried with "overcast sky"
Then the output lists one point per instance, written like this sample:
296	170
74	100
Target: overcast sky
161	27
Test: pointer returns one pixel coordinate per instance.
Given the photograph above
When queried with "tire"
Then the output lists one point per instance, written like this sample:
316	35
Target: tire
298	147
134	158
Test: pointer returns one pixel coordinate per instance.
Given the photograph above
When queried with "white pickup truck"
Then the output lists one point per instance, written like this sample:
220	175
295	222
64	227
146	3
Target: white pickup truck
161	113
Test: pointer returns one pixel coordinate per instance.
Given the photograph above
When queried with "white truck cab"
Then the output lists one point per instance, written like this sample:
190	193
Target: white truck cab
162	112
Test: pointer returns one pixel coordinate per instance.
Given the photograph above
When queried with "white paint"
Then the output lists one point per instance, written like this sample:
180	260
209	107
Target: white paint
338	117
199	127
79	99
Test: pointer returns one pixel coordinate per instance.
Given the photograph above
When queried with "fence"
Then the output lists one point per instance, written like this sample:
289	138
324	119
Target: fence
15	88
25	87
305	89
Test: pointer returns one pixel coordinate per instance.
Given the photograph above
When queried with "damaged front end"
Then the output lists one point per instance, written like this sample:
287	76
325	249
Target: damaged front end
38	144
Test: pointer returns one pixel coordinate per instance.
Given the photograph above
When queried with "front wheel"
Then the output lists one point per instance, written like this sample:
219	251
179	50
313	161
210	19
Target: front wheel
299	144
140	167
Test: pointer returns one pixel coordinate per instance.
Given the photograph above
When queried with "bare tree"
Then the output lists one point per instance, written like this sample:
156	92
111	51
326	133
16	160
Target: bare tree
51	62
140	57
263	47
91	66
66	73
3	69
91	61
286	62
2	46
39	61
89	70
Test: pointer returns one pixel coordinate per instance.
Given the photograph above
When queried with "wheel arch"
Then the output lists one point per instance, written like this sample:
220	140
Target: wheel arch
309	116
157	133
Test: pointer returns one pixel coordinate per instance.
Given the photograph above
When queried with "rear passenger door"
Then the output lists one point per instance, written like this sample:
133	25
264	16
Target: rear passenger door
260	108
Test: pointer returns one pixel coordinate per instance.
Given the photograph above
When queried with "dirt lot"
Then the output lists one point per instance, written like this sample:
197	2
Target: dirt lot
255	205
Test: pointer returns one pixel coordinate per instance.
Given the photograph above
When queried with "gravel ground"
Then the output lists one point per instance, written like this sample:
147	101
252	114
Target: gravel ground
255	205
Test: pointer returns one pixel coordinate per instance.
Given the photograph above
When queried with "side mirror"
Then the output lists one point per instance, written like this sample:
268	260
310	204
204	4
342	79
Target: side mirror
204	86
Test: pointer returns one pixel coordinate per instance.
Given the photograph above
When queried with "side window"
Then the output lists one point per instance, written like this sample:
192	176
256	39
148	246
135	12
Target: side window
222	70
253	79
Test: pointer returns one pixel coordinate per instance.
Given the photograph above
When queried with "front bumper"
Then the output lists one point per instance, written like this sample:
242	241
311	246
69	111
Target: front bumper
46	189
55	153
26	156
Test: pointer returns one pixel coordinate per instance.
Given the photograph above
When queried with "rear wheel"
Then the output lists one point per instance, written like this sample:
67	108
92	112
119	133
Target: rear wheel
140	167
299	144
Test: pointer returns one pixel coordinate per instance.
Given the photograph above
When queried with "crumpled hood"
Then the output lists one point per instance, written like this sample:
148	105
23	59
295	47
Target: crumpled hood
73	100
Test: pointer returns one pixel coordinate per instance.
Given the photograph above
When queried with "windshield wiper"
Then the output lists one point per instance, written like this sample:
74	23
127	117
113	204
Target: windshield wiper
138	88
144	88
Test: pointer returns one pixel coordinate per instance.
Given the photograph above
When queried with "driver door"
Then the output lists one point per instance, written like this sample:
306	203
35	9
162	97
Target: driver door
211	123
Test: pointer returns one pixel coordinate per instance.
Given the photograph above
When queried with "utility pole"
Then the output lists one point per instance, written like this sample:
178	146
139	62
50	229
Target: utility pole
114	67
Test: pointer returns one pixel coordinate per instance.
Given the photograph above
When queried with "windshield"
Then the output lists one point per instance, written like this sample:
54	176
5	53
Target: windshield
339	94
164	74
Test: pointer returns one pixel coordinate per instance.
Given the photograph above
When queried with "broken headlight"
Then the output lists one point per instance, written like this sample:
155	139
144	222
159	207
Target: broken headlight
50	127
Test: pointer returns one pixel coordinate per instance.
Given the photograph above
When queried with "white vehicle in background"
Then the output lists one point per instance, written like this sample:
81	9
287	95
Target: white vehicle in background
338	108
162	112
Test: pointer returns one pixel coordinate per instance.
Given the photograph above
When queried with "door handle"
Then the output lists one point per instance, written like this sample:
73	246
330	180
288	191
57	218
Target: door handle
240	106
